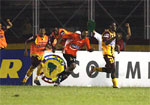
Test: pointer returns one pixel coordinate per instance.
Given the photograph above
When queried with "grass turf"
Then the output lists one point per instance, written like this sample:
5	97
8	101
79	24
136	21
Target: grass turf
44	95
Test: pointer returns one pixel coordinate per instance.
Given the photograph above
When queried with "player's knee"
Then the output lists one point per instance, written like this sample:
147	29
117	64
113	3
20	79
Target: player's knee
42	64
108	70
72	66
113	75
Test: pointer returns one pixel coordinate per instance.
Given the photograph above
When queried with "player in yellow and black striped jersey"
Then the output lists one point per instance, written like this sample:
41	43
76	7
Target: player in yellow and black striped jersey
108	48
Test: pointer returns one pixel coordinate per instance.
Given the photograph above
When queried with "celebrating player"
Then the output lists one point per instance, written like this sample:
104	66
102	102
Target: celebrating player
70	53
3	42
39	44
108	48
58	33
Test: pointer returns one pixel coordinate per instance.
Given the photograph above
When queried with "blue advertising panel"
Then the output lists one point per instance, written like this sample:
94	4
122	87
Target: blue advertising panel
13	67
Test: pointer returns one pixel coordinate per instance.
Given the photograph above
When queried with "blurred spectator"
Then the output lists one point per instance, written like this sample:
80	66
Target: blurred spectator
26	27
123	38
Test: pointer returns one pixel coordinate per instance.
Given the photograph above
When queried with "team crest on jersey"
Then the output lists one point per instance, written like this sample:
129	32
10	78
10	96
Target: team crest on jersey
54	65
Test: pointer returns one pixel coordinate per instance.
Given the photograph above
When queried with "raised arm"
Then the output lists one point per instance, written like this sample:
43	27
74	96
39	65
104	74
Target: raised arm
97	35
128	31
9	24
88	44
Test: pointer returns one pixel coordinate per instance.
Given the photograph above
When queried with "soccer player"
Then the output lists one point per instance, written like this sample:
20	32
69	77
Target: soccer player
39	44
108	48
58	33
70	53
3	43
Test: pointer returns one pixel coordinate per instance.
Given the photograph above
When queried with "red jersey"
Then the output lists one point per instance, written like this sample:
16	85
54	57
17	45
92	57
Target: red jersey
61	32
38	46
110	48
71	37
75	45
3	42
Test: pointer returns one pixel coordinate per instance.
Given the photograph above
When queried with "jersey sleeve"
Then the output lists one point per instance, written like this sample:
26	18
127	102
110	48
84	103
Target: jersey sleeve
98	36
87	41
67	36
106	36
31	39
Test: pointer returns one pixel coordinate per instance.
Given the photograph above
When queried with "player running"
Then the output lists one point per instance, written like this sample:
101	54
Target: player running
39	44
3	43
108	48
70	53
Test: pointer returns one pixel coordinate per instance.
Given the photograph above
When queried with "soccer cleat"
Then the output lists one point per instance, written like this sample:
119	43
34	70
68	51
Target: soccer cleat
116	87
24	81
37	82
57	82
91	71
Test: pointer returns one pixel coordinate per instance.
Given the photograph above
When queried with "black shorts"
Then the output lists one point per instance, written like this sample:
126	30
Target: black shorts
110	61
70	59
35	61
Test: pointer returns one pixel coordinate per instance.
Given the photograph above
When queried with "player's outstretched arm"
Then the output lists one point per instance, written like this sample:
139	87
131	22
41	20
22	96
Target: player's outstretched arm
128	31
88	45
26	45
9	24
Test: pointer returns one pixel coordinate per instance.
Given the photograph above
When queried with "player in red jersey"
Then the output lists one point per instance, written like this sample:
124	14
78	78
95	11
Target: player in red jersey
70	53
58	33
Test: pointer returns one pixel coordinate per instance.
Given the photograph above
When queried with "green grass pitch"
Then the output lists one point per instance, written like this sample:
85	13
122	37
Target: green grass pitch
44	95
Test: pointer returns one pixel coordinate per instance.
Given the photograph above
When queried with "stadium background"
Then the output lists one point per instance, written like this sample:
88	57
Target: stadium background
73	15
28	15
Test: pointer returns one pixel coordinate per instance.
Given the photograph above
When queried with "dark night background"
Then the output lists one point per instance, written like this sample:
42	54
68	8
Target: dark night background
73	15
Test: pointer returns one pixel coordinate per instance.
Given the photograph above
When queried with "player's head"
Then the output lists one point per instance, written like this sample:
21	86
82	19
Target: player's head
42	32
84	34
56	31
113	26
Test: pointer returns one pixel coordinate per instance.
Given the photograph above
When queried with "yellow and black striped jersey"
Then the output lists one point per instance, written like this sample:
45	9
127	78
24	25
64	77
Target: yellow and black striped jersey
110	48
